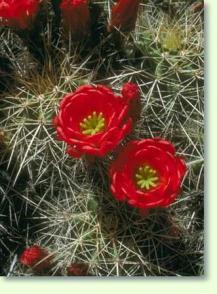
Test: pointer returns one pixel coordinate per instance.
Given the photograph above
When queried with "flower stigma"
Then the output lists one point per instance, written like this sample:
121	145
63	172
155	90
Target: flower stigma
93	124
146	177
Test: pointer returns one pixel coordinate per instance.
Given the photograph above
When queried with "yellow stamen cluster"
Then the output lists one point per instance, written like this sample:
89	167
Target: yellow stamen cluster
146	177
93	124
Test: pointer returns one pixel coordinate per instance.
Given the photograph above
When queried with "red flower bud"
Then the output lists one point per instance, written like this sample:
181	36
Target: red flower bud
147	174
131	93
18	14
76	17
93	120
2	136
124	15
197	6
35	257
78	269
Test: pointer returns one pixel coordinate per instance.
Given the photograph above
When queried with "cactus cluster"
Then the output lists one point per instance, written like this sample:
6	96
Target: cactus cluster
65	205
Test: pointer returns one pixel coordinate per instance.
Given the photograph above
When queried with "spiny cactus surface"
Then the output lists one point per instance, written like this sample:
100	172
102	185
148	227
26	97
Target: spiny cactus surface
65	204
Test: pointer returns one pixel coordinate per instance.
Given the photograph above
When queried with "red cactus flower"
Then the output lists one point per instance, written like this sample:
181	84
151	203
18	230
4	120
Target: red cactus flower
93	120
35	257
124	15
76	17
18	14
78	269
147	174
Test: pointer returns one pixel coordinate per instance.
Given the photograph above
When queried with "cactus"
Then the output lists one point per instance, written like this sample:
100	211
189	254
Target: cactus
68	201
